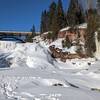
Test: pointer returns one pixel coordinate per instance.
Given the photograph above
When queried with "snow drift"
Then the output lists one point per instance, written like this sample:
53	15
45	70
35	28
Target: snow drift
32	55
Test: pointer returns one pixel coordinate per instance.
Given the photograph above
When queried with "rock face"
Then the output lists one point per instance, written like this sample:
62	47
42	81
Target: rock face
58	53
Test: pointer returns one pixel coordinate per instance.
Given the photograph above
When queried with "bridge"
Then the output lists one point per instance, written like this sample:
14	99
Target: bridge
19	36
10	39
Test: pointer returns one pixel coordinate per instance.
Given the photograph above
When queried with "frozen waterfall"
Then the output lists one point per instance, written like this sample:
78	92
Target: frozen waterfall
97	53
9	45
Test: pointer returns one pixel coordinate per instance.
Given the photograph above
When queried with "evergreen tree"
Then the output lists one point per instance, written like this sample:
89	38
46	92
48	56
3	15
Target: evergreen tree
30	37
44	25
52	14
91	29
53	20
98	10
47	21
60	15
33	31
75	14
43	21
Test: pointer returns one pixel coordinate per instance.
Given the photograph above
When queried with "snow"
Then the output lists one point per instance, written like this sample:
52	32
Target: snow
47	32
57	43
28	72
71	50
37	39
82	26
65	29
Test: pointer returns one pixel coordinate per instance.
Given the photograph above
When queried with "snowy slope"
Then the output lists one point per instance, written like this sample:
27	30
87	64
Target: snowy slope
28	72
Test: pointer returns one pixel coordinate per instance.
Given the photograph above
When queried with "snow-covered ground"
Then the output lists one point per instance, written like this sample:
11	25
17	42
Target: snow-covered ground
28	72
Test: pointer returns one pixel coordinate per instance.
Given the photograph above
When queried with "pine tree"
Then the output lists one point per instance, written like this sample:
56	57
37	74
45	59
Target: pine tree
91	29
98	10
43	26
47	21
93	25
60	15
53	20
41	23
75	14
30	37
33	31
52	14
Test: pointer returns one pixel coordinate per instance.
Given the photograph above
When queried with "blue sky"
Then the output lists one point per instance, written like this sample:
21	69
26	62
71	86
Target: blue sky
19	15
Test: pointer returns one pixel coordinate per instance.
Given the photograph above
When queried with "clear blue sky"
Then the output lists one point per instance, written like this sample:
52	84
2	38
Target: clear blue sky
19	15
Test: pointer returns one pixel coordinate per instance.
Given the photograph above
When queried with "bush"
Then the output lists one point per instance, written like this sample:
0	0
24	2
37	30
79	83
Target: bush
66	43
49	36
29	38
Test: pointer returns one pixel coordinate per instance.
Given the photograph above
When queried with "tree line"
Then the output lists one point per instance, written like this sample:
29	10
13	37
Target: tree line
56	18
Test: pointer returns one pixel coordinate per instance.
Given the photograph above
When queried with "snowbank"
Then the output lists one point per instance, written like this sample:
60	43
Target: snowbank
33	55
